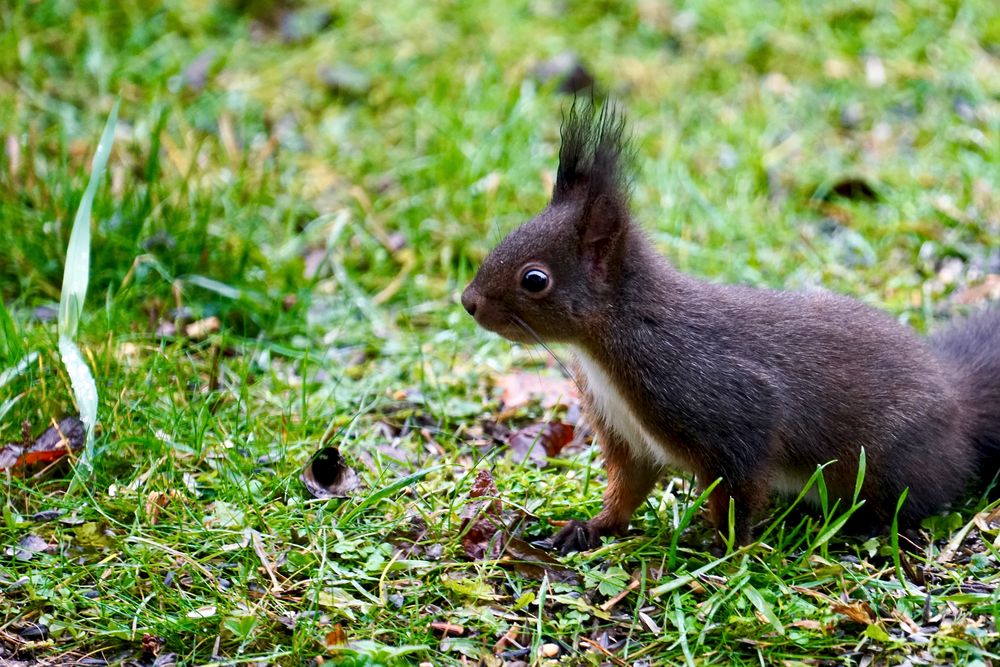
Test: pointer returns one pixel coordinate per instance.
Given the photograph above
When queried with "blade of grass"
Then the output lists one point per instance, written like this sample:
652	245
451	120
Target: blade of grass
76	277
763	607
9	374
10	338
384	492
685	579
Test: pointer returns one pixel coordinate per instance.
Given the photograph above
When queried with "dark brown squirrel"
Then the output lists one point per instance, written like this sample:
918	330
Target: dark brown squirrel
753	387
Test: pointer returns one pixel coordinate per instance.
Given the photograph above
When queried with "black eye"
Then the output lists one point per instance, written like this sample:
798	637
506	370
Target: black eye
534	281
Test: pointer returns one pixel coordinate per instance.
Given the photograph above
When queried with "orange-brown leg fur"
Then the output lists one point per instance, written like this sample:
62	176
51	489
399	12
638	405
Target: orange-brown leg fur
630	479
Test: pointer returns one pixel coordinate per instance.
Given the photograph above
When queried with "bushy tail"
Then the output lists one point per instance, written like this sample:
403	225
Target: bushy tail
973	348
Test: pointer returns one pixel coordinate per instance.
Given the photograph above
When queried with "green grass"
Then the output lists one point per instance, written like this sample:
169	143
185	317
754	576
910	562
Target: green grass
330	228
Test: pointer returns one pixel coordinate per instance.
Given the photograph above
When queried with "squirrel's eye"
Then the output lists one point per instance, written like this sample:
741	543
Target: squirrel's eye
534	281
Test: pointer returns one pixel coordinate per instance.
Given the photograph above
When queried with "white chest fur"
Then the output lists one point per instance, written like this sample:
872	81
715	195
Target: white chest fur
614	411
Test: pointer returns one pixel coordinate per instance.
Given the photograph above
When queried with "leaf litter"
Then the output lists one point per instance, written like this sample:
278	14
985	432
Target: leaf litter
486	536
69	435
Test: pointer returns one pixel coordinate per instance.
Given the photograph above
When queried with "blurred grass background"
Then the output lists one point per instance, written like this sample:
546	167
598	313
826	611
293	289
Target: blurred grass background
324	177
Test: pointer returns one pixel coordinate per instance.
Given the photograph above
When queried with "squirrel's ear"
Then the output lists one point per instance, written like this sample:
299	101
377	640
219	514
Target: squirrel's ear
601	228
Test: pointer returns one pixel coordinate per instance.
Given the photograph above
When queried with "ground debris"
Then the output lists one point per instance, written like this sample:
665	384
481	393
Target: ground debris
54	443
328	476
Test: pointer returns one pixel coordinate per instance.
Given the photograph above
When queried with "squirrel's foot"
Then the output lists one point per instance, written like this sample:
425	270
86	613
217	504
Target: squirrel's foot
578	536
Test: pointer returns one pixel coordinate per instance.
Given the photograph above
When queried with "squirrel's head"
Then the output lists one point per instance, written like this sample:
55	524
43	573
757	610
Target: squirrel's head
544	279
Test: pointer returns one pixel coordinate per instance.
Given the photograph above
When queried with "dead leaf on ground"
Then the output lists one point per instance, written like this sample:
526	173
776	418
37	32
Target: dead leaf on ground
539	442
57	441
520	388
988	290
27	547
447	629
988	521
201	328
336	638
534	563
807	624
152	644
155	502
328	476
485	536
482	524
858	611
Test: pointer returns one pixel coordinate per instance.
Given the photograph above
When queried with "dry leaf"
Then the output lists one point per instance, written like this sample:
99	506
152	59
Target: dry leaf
534	563
202	328
27	547
522	387
857	611
988	290
540	441
483	538
155	502
446	629
57	441
202	612
336	638
650	624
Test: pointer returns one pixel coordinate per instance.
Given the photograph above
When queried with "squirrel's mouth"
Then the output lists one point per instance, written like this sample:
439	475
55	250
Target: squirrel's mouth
510	327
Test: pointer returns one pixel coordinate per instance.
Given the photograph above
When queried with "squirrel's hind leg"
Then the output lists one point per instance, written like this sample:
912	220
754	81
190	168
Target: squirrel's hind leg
748	500
630	480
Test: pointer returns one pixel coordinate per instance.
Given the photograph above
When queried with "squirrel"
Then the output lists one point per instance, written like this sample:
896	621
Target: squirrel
749	386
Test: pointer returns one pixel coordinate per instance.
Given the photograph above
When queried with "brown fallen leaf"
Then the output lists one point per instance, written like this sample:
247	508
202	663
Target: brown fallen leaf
540	441
328	476
482	524
336	638
56	442
534	563
152	644
155	502
806	624
445	629
520	388
858	611
202	328
988	290
906	622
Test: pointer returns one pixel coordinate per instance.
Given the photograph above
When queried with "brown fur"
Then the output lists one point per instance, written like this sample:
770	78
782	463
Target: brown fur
751	386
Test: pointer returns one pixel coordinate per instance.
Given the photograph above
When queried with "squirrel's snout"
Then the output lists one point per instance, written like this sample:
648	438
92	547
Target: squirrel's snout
470	301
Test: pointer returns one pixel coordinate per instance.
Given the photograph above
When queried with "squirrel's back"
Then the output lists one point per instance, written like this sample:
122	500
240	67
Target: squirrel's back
823	375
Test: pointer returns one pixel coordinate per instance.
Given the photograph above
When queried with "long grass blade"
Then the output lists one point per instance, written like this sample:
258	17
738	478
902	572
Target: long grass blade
76	274
76	277
10	339
9	374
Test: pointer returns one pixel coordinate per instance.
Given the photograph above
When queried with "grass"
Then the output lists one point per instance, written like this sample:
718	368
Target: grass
324	179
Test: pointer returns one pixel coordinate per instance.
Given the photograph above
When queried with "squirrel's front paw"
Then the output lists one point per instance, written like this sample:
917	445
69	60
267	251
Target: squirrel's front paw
576	536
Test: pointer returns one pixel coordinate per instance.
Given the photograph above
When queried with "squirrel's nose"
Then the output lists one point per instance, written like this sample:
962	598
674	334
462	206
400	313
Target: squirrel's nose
470	301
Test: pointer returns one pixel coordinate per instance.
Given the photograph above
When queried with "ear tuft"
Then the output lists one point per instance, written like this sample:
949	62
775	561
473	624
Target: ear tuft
594	157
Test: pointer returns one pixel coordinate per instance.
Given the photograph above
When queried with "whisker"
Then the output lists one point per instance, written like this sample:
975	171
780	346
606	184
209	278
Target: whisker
531	332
